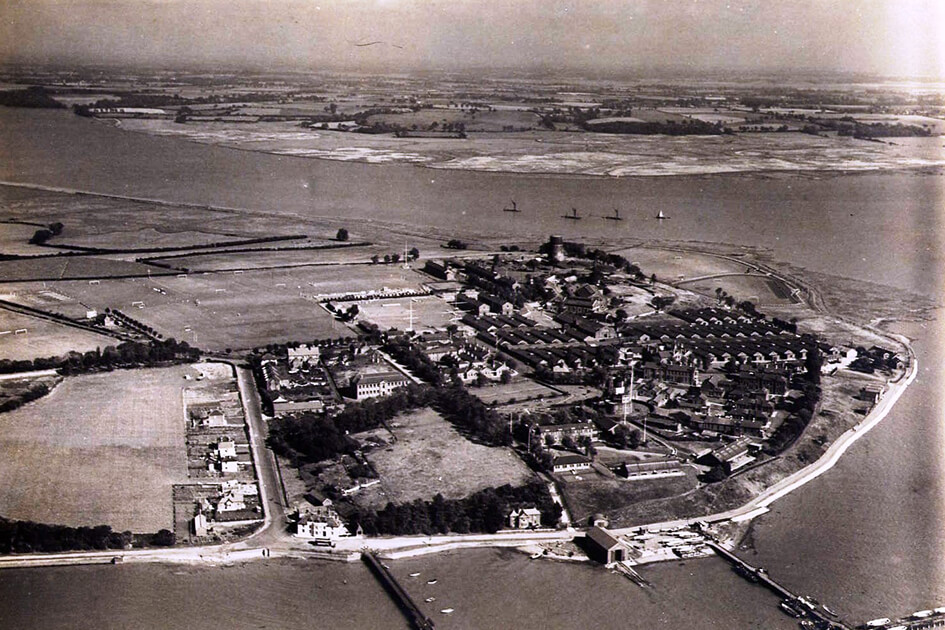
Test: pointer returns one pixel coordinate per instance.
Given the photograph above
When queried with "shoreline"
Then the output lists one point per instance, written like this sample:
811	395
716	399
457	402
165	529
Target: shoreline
432	164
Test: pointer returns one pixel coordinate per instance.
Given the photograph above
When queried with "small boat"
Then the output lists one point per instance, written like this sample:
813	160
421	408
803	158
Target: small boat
573	216
415	574
446	611
829	612
536	555
616	216
431	581
876	623
512	208
661	216
430	599
791	609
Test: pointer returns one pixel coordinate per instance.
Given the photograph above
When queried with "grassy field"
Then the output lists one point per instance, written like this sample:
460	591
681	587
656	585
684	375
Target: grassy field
430	457
761	290
428	313
518	390
100	449
594	493
43	338
669	266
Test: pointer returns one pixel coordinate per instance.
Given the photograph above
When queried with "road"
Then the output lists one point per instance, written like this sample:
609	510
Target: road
270	486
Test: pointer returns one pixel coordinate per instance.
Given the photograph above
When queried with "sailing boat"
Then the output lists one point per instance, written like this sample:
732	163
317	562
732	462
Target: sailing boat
661	216
616	216
513	208
573	216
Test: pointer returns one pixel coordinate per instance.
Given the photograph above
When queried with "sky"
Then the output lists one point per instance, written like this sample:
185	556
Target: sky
901	38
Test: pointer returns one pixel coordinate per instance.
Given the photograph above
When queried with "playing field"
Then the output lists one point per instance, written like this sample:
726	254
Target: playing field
430	457
428	313
100	449
25	337
216	311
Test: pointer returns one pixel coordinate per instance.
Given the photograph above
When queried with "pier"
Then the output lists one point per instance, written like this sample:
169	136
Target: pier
413	613
811	611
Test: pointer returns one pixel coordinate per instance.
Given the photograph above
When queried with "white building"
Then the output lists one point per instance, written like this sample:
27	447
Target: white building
320	523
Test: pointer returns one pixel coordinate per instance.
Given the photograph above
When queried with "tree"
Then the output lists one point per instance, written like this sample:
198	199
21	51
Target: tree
506	377
414	253
342	235
164	538
375	259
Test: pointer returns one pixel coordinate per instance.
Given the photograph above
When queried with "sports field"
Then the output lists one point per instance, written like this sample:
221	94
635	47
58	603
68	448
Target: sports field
26	337
100	449
430	457
428	313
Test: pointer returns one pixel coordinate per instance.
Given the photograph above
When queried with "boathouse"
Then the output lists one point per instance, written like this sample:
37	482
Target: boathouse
603	547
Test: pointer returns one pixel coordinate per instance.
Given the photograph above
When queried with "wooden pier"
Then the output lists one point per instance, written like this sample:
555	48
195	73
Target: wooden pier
811	611
413	613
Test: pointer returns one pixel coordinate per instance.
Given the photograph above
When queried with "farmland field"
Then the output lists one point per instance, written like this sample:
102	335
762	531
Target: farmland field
43	338
100	449
95	221
66	267
431	457
263	258
14	239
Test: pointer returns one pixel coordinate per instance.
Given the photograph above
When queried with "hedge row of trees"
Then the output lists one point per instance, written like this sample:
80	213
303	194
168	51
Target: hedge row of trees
483	511
30	537
404	352
125	354
34	392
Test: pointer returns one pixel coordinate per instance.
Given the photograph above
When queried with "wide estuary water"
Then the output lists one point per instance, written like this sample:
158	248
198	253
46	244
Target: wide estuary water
868	538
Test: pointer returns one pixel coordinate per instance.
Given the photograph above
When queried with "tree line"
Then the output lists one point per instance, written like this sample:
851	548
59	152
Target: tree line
30	537
485	511
125	354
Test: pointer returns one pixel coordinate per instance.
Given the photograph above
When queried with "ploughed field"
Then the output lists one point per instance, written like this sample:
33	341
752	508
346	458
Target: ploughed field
100	449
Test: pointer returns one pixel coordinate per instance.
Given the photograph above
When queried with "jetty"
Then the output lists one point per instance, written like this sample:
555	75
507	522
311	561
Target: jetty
804	607
410	609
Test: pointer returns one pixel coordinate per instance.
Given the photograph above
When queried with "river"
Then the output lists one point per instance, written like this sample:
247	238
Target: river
866	538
